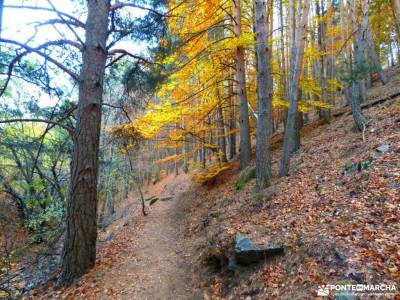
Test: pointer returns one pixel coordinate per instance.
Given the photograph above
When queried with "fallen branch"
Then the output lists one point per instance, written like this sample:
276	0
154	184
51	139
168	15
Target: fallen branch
154	199
346	109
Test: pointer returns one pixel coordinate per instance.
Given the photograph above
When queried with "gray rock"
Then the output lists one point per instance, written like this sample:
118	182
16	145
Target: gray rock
108	238
246	252
383	148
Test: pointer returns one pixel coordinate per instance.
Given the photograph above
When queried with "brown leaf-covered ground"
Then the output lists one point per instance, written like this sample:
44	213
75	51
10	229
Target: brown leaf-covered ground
340	224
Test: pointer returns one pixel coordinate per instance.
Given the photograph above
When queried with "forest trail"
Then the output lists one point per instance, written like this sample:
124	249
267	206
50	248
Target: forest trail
158	266
143	257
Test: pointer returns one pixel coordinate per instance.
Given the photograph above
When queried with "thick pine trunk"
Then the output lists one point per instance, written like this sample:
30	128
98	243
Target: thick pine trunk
245	145
264	93
79	253
292	125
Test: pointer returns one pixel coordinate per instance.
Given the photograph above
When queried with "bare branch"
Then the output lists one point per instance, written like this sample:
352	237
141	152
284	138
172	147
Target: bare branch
121	108
77	21
124	53
66	127
69	26
55	21
38	51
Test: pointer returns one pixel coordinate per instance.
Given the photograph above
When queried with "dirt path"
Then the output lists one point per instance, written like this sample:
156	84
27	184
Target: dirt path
157	266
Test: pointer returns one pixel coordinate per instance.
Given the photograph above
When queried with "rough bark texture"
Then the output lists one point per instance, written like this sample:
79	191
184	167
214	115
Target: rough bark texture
264	93
245	145
290	128
79	253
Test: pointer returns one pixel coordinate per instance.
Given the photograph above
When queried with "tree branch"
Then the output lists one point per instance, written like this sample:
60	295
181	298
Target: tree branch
77	21
69	26
55	21
36	50
66	127
126	53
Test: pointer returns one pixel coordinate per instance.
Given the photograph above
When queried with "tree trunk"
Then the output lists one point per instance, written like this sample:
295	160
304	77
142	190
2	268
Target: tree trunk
79	253
294	34
325	114
264	93
109	205
1	15
331	59
396	13
294	91
232	120
245	144
359	62
375	58
283	57
221	133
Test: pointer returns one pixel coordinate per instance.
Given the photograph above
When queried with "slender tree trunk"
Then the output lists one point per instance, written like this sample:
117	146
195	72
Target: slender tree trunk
185	151
375	58
293	36
176	165
359	63
331	59
109	206
283	57
396	13
264	92
221	133
232	120
245	144
79	253
391	56
204	152
1	15
325	114
294	92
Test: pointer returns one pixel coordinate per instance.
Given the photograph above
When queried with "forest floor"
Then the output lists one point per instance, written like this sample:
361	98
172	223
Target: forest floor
337	215
142	257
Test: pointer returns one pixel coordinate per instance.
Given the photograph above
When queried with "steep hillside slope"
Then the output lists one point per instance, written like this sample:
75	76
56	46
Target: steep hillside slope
337	213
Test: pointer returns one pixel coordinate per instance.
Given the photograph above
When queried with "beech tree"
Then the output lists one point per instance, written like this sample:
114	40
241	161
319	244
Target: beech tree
264	87
297	55
245	144
396	13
